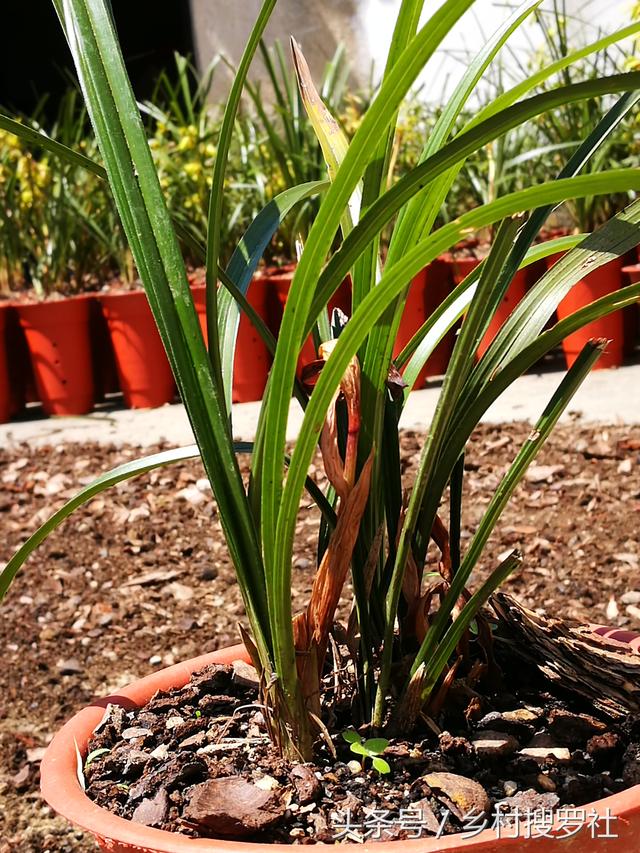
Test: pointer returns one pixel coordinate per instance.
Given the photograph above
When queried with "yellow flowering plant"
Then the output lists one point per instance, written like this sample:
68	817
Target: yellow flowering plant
60	229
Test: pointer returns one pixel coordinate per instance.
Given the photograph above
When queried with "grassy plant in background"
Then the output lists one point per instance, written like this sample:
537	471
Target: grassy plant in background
184	123
289	150
11	272
60	229
567	124
410	633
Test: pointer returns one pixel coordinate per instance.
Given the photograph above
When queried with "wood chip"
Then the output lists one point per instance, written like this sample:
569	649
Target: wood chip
152	577
465	795
232	806
152	811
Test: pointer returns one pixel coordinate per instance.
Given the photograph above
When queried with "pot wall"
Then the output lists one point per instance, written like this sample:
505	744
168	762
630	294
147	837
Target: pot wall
600	282
57	333
143	369
253	359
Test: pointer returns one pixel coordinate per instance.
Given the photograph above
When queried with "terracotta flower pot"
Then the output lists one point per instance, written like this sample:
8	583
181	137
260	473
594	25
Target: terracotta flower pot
143	369
426	292
631	315
57	333
253	359
598	283
62	791
5	387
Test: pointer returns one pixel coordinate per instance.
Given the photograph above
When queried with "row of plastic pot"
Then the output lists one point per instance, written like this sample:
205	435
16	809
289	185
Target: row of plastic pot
70	353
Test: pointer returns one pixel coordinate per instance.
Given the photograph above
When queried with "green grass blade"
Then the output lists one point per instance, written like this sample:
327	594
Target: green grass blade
538	436
216	199
41	140
127	471
242	266
105	481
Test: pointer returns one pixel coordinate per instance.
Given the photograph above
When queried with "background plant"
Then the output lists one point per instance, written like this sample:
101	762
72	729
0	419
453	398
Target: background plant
567	124
289	151
60	230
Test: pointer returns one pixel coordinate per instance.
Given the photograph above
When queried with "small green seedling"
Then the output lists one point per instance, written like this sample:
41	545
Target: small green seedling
371	748
93	755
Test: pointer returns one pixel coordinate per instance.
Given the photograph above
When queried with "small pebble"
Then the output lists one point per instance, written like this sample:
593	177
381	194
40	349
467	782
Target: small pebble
510	788
522	715
631	597
209	573
174	722
354	767
155	660
266	783
546	782
494	744
69	667
160	752
135	731
542	747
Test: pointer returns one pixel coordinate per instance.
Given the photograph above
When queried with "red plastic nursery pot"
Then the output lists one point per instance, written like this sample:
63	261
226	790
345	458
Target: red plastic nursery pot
598	283
57	333
427	290
5	388
62	791
631	315
143	369
253	359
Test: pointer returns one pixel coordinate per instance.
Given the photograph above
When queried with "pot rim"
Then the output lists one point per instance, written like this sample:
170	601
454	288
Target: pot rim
107	296
62	791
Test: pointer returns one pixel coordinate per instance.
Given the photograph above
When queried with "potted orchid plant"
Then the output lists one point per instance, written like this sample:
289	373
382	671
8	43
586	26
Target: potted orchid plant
256	742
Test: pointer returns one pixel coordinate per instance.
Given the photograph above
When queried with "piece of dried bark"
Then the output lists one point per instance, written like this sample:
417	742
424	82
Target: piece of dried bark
232	806
152	811
464	795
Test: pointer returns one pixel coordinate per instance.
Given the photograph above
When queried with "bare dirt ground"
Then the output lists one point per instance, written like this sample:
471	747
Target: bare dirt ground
140	578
